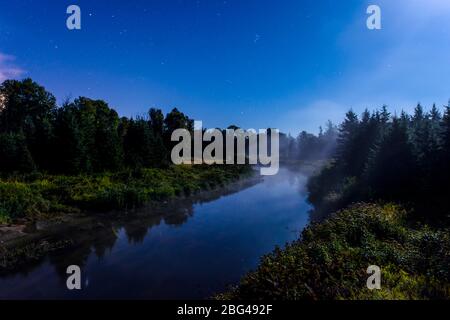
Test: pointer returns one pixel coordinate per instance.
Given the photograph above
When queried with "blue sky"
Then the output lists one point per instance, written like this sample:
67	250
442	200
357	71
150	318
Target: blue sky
289	64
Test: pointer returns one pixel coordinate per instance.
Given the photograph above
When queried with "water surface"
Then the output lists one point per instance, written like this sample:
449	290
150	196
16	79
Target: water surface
189	251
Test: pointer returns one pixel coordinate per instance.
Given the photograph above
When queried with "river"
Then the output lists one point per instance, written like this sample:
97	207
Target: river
187	251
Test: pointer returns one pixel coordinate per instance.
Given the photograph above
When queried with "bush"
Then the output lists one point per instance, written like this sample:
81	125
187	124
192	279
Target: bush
38	194
18	200
331	258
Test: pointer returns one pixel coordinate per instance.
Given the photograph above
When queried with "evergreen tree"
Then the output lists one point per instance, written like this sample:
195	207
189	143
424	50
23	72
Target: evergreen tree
347	146
391	170
445	144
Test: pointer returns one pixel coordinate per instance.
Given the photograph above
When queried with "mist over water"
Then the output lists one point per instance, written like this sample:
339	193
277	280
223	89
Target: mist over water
189	251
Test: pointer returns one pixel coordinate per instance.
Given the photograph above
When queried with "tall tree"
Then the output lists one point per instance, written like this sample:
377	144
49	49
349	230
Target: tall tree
29	109
445	143
99	126
156	121
347	143
138	144
71	156
391	170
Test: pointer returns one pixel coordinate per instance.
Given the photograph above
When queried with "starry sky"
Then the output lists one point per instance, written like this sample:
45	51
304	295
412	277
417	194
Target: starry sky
290	64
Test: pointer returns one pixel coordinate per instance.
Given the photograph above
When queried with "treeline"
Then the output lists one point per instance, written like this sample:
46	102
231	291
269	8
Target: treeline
381	200
387	157
88	136
309	147
83	136
82	156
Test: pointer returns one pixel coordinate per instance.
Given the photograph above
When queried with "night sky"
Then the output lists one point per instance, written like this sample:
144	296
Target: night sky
289	64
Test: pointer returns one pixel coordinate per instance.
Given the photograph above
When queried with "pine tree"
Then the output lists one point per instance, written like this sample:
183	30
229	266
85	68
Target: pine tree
392	169
445	142
347	142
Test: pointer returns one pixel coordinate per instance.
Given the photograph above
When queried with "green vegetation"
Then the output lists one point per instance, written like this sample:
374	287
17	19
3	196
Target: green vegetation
331	258
47	195
82	136
82	156
378	159
29	252
402	159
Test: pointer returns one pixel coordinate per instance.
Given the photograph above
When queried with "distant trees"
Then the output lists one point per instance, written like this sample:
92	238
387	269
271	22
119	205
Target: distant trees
309	147
376	156
81	136
143	147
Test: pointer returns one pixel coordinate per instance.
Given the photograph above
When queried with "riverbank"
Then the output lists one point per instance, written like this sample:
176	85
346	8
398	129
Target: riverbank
26	244
36	211
330	260
31	197
183	248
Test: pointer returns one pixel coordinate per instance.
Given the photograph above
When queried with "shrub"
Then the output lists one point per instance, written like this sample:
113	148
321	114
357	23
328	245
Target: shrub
34	195
18	200
331	258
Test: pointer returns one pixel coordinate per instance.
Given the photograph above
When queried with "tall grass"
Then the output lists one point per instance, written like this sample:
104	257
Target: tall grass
42	195
331	258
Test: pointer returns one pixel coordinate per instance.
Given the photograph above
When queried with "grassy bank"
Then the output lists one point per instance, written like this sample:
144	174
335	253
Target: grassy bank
43	196
331	258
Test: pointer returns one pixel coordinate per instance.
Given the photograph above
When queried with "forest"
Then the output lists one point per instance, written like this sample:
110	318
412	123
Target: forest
381	199
384	157
80	136
83	156
380	193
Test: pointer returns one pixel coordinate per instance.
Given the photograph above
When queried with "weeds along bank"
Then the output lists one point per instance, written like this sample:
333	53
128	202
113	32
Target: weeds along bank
39	196
331	258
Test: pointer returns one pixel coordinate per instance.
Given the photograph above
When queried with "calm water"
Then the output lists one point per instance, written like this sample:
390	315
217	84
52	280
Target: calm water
189	251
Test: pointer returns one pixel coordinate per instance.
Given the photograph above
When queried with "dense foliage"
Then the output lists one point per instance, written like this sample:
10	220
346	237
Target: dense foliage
43	196
82	155
331	259
83	136
379	157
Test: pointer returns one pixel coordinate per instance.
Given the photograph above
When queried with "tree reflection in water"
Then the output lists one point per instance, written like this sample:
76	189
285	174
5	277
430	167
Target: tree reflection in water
100	233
